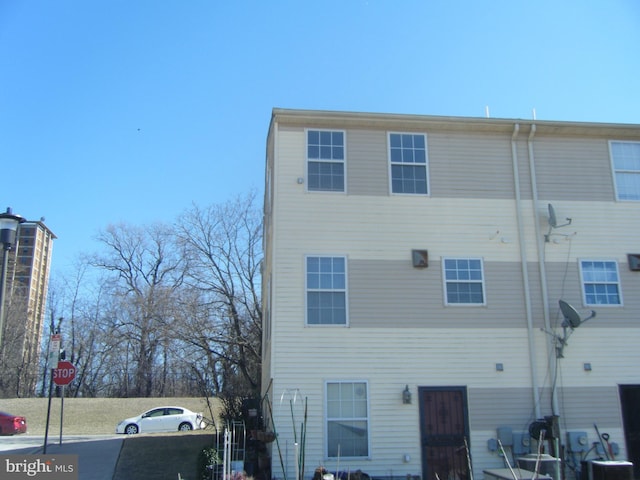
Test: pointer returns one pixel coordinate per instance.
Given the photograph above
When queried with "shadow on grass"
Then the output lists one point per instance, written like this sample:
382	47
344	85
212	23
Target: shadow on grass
161	456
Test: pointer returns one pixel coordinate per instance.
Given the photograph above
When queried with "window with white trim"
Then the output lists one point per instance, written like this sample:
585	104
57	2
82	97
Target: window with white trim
325	160
408	163
464	281
326	290
600	282
347	419
625	158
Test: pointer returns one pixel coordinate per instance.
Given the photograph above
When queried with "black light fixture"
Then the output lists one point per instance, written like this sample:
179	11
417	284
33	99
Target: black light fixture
420	258
8	231
406	395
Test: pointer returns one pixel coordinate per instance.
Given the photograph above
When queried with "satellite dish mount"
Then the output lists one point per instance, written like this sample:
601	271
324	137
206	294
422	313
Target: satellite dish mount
571	321
553	223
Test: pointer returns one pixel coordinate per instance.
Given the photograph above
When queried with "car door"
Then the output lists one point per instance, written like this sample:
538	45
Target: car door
152	421
173	417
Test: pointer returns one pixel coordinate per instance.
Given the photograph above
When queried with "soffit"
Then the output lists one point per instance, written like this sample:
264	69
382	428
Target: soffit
385	121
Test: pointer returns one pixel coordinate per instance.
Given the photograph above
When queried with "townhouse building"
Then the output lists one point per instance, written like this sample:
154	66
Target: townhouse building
437	289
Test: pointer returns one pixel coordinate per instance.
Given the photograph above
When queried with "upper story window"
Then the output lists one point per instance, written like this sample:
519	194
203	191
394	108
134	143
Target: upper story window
325	160
625	158
408	160
600	282
326	291
347	419
464	281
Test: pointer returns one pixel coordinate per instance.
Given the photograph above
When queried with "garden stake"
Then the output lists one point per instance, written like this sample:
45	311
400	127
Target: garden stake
284	472
303	434
539	455
515	477
466	447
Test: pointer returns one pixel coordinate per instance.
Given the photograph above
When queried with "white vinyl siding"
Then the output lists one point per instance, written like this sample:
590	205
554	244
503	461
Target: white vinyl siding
625	158
347	419
600	282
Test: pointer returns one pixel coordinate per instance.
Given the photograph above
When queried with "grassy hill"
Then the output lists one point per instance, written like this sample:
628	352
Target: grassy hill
92	416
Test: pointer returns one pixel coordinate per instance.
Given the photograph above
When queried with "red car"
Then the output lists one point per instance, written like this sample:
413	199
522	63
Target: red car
12	424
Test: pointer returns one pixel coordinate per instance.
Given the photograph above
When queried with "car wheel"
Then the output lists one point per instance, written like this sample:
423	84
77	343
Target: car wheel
185	427
131	429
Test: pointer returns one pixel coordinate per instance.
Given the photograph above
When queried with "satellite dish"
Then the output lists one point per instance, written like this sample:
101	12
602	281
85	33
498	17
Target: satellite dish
553	222
571	321
571	316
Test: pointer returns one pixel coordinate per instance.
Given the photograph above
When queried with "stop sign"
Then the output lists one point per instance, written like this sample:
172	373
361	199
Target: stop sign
64	374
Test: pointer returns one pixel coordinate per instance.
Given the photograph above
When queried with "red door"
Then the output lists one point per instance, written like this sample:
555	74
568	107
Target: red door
444	429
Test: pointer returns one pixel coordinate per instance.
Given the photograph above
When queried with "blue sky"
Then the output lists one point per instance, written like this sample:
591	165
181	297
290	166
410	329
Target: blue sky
132	110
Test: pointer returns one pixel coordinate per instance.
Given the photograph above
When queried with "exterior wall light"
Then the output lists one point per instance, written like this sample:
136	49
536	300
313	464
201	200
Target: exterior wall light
406	395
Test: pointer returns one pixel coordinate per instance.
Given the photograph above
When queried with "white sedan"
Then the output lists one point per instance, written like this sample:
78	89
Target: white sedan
162	419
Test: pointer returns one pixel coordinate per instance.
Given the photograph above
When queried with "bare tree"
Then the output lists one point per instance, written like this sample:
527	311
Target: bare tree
145	276
223	312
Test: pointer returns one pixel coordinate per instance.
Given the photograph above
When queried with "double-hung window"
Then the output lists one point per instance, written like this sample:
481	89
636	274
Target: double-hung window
326	290
347	419
625	158
600	282
325	160
408	163
463	281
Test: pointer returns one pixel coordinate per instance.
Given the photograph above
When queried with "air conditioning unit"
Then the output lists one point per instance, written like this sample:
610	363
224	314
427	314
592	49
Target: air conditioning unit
546	464
611	470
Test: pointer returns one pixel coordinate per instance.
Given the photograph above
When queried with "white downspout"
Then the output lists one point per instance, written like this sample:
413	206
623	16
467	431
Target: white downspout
543	287
525	272
541	261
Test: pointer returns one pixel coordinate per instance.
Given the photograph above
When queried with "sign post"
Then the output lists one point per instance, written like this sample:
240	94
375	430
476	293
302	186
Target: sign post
52	359
63	375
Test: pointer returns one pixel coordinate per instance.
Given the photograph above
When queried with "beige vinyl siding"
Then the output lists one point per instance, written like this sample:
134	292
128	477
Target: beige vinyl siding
573	169
600	409
470	166
393	294
367	163
565	277
496	407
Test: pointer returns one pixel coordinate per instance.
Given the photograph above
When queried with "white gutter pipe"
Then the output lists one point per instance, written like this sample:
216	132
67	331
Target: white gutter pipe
542	266
545	293
525	272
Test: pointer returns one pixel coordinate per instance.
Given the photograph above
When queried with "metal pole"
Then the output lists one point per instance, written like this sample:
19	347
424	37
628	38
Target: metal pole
46	428
3	285
61	410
